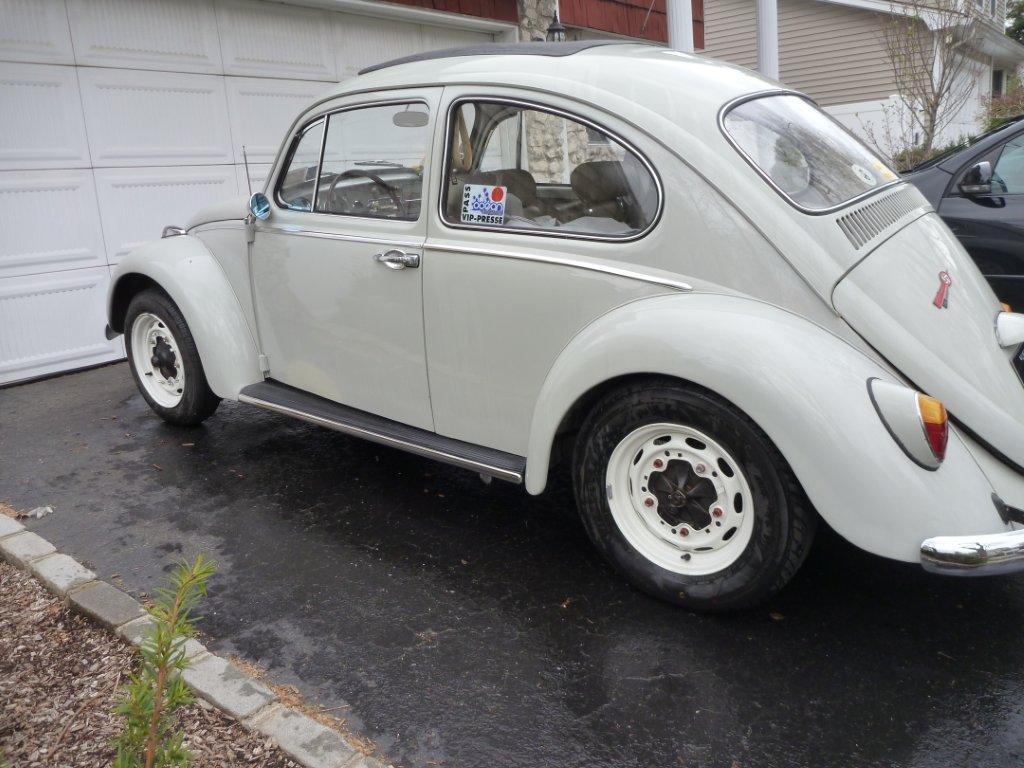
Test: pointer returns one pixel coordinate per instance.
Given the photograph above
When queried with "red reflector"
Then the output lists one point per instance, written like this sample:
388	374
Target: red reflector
936	424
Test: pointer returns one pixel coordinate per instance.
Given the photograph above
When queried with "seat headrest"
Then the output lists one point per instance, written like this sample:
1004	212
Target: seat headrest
599	181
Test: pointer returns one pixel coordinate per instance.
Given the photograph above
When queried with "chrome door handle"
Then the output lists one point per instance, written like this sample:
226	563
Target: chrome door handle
396	259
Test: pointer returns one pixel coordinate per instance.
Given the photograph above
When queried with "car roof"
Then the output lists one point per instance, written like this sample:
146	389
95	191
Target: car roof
634	81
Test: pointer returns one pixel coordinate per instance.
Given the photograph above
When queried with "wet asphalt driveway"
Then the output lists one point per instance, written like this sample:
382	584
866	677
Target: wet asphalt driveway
460	624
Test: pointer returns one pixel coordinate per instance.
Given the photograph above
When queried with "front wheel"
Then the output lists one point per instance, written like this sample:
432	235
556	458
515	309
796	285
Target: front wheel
688	498
165	362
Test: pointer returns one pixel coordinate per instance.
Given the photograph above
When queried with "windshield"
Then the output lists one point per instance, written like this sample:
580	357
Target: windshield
809	157
969	142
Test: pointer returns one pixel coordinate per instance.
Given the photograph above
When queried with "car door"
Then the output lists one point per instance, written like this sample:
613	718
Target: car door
337	280
540	223
991	226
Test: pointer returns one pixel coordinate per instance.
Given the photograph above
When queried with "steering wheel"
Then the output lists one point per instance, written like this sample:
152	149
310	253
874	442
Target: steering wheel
361	174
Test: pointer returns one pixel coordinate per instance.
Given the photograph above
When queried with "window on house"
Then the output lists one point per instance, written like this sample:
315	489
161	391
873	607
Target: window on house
998	82
516	168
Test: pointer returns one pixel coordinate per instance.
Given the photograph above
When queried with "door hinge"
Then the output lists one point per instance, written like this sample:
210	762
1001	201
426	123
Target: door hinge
264	364
250	230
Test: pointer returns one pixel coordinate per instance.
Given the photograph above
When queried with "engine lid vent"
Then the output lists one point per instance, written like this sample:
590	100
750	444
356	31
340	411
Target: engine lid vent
864	224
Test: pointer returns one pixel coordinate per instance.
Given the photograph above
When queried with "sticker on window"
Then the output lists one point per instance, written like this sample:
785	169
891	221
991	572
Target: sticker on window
483	204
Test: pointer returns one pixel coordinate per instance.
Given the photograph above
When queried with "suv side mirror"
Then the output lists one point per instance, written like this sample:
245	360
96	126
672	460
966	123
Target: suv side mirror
977	180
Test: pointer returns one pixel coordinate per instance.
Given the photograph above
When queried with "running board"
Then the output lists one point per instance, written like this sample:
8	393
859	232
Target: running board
281	398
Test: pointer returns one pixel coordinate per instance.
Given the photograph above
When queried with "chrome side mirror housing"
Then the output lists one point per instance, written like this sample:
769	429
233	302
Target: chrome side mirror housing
977	180
172	231
259	206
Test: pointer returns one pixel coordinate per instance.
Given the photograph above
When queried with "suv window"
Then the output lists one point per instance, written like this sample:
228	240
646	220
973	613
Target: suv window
1008	176
371	163
805	154
522	168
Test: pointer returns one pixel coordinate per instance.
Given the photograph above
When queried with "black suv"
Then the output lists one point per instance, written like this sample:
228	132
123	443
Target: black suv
978	190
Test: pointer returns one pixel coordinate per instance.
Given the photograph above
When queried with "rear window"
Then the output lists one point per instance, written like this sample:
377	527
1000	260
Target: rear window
804	153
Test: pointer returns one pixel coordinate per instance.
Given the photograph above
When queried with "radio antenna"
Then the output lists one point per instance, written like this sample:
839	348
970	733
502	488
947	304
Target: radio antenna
248	181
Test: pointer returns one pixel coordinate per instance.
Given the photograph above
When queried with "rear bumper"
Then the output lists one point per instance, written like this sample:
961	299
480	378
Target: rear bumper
983	555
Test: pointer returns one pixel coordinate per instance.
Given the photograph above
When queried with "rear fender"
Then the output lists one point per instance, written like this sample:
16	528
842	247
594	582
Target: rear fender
804	387
187	272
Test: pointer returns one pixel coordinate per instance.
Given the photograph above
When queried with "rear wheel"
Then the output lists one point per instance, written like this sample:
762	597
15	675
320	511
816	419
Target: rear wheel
165	362
688	498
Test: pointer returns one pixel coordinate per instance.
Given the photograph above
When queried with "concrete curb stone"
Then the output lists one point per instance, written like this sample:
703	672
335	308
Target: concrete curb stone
108	605
303	739
61	573
22	548
211	678
9	526
227	687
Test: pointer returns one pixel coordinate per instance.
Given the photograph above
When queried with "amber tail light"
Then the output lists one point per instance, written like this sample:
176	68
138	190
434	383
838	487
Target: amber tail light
936	424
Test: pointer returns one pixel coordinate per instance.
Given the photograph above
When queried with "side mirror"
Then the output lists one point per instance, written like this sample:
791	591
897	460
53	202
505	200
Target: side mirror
259	206
977	180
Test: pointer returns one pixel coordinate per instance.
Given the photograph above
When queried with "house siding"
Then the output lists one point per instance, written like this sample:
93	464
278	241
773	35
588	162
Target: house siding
834	54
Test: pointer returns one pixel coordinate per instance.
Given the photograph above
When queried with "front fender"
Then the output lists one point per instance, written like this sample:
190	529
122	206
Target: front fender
186	270
804	387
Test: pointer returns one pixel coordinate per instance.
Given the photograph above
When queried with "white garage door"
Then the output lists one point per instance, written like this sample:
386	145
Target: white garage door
120	116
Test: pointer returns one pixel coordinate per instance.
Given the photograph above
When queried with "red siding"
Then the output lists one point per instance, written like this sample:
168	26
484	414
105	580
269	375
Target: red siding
500	10
626	17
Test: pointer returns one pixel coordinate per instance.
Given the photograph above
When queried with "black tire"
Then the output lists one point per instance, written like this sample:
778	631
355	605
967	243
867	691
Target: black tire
784	521
198	402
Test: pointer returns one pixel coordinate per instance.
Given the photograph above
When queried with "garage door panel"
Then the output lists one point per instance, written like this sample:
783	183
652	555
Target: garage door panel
35	30
139	118
50	323
258	173
361	41
176	35
269	40
41	125
446	37
31	203
262	109
137	203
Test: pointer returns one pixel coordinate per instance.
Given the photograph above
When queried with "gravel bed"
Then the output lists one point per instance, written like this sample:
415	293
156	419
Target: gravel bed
59	677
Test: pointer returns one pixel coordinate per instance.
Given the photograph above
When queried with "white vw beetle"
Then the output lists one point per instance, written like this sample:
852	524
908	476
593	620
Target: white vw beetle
692	288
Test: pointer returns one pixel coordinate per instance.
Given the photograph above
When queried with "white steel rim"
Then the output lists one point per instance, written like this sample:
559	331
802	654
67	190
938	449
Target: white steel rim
157	360
660	508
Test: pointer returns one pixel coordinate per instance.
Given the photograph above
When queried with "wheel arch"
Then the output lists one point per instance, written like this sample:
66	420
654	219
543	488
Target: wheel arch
185	270
803	387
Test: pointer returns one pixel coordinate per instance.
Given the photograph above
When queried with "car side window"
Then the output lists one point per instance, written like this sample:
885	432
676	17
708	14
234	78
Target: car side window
373	162
514	167
295	189
1008	175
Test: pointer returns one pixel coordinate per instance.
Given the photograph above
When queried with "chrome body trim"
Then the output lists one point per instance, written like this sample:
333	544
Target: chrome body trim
564	261
290	229
542	232
730	105
394	442
983	555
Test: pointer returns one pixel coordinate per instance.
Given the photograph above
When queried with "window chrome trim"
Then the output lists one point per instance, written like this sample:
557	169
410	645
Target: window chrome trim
564	261
325	117
540	107
732	104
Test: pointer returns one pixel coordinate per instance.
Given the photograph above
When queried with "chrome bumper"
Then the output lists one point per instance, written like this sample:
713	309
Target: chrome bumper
993	553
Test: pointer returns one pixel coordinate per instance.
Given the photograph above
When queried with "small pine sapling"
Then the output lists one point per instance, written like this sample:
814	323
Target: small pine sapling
150	738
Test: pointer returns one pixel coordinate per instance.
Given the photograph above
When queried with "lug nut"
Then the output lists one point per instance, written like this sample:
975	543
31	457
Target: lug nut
648	502
717	512
658	463
700	469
